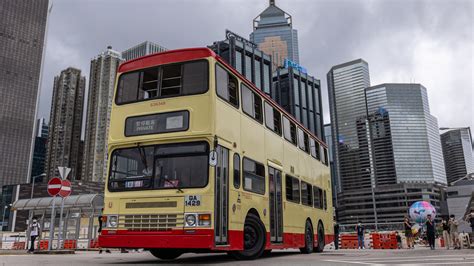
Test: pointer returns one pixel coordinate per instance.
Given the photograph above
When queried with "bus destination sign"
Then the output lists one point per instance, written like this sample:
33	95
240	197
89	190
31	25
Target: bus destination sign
157	123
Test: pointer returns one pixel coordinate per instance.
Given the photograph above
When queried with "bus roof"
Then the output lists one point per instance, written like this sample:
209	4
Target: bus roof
188	54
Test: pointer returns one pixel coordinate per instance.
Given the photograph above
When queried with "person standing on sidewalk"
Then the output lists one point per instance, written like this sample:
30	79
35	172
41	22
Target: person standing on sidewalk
430	231
408	233
360	235
336	236
446	233
34	233
453	229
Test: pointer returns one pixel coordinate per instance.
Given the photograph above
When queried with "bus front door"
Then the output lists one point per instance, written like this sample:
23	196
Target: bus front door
221	202
275	200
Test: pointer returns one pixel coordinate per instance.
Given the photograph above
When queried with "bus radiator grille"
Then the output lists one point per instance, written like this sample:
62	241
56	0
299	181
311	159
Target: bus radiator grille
151	222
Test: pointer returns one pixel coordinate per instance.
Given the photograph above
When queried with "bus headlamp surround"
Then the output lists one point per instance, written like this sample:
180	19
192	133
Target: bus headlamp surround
112	221
190	220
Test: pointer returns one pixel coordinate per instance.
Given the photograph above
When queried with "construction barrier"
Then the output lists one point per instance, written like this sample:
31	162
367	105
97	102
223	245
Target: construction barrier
384	241
94	243
18	245
348	241
70	244
43	244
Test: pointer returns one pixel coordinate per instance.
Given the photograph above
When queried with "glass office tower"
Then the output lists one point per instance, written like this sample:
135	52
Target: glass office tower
457	150
274	34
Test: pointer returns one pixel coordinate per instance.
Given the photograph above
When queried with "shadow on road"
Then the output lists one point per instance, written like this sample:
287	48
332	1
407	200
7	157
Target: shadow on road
206	259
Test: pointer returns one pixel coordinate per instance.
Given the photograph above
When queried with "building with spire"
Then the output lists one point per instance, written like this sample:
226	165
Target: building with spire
274	34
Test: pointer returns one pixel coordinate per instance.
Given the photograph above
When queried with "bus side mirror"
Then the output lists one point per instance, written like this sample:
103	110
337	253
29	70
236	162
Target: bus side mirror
213	158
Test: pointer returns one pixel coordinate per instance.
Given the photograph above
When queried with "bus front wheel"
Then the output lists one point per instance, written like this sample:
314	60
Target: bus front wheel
166	254
321	237
254	239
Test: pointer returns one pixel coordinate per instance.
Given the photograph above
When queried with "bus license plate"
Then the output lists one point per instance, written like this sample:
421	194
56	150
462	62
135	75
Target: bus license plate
192	200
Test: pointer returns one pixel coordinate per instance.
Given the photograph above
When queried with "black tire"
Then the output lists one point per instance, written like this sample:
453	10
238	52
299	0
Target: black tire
166	254
254	239
308	239
321	238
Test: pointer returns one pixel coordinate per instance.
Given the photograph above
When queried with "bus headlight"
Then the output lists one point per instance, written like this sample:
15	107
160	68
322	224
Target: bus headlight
112	220
190	220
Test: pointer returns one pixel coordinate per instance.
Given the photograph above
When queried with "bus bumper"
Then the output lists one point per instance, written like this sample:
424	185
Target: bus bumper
185	239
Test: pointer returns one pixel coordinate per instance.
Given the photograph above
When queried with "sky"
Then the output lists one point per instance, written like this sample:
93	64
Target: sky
412	41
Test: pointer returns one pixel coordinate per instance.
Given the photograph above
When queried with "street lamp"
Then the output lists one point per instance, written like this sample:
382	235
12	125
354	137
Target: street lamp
33	183
4	211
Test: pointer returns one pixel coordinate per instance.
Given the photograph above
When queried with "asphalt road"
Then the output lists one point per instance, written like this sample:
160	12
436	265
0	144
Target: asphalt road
420	256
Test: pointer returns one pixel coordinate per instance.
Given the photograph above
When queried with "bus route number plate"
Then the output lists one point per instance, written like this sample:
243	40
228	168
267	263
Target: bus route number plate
192	200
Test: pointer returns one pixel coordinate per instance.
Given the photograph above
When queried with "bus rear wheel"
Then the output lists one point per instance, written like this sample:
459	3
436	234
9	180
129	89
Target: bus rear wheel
308	239
254	239
166	254
321	237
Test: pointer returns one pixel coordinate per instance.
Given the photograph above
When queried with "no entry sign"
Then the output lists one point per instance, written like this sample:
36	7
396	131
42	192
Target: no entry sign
54	186
65	188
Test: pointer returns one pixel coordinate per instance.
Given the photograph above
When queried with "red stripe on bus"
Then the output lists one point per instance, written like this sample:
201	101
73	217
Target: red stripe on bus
191	239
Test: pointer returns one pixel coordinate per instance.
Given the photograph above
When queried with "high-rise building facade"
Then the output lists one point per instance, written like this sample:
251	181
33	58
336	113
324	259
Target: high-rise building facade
247	59
39	153
346	84
413	145
386	152
274	34
65	123
22	35
101	89
300	95
457	151
142	49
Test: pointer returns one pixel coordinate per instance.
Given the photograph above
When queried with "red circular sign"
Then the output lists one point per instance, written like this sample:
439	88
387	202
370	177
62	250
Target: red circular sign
65	188
54	186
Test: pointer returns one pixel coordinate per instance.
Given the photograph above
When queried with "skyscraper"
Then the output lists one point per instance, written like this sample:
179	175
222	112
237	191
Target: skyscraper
457	150
412	142
22	34
274	34
65	123
101	89
346	84
142	49
386	151
39	153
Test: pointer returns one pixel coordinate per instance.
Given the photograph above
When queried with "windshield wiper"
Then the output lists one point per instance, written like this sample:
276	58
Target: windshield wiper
171	183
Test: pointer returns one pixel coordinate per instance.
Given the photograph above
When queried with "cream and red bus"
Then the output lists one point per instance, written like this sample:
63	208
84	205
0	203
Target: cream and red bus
200	160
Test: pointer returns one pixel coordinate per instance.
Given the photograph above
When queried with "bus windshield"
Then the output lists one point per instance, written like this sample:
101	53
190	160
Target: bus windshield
175	166
163	82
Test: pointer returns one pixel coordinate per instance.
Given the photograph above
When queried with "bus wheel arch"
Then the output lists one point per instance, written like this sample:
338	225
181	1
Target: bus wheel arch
254	238
308	237
321	237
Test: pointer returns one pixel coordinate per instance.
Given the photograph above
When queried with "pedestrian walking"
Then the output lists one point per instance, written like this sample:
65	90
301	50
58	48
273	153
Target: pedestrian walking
408	233
430	231
102	219
34	233
453	230
446	233
360	235
336	236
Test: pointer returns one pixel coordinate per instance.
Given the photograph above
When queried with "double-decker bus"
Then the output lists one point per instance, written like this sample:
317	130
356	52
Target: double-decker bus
200	160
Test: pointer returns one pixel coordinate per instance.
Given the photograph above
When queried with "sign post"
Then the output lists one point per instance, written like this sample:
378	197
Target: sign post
63	192
54	186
